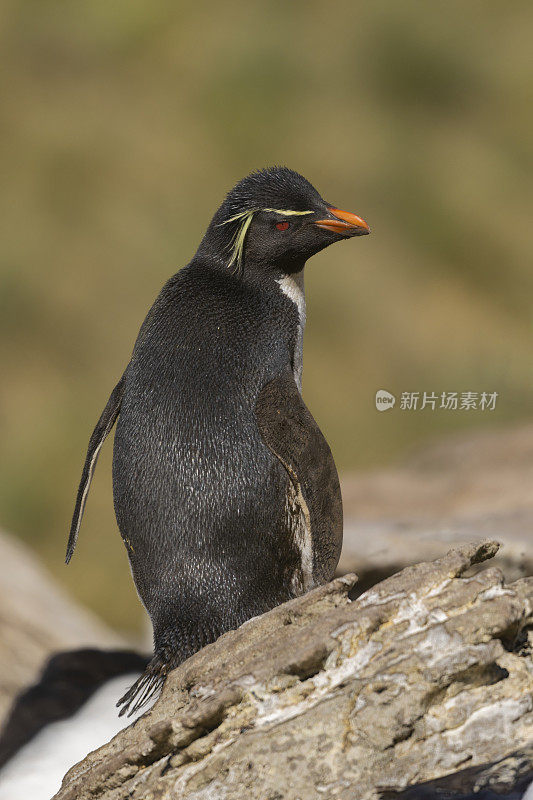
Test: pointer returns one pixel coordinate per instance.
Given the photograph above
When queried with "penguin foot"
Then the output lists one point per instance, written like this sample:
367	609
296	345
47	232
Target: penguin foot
145	687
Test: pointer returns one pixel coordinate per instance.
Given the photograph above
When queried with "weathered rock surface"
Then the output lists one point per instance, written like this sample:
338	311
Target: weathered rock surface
425	677
36	619
458	490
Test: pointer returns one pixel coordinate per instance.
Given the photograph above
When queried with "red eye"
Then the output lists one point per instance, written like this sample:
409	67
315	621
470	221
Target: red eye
282	226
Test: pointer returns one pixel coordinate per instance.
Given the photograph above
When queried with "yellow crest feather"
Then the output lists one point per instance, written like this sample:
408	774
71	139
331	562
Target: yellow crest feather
237	243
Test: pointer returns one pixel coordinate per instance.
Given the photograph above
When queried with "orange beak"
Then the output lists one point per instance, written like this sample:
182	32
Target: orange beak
345	223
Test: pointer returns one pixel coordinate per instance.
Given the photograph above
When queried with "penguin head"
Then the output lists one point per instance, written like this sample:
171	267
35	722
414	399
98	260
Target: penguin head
274	220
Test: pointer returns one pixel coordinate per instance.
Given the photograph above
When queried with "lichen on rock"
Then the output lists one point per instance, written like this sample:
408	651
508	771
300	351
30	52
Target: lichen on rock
424	676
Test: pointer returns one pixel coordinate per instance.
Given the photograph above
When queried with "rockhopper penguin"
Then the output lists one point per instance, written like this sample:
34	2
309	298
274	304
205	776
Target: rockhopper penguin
225	490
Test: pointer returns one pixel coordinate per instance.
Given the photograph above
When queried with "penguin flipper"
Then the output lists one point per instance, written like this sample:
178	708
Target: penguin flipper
290	432
98	436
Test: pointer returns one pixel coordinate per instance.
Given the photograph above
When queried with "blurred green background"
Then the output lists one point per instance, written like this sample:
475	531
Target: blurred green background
124	123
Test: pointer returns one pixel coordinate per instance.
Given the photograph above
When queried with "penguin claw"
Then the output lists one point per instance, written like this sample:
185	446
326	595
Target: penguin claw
144	689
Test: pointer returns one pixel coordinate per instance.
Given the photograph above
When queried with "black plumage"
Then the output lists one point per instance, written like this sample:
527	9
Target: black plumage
225	491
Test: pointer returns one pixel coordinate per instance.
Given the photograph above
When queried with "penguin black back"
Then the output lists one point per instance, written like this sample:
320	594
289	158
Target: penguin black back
225	490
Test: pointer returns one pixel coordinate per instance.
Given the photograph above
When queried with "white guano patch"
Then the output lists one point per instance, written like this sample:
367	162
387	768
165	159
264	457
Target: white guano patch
274	709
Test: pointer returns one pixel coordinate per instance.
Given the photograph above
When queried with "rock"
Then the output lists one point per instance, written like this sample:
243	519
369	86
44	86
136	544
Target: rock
36	620
425	677
448	493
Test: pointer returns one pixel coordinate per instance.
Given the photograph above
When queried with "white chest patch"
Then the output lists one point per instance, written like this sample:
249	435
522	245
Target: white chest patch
293	287
298	521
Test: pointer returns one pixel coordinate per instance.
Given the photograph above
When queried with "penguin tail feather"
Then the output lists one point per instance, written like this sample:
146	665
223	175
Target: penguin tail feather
145	687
